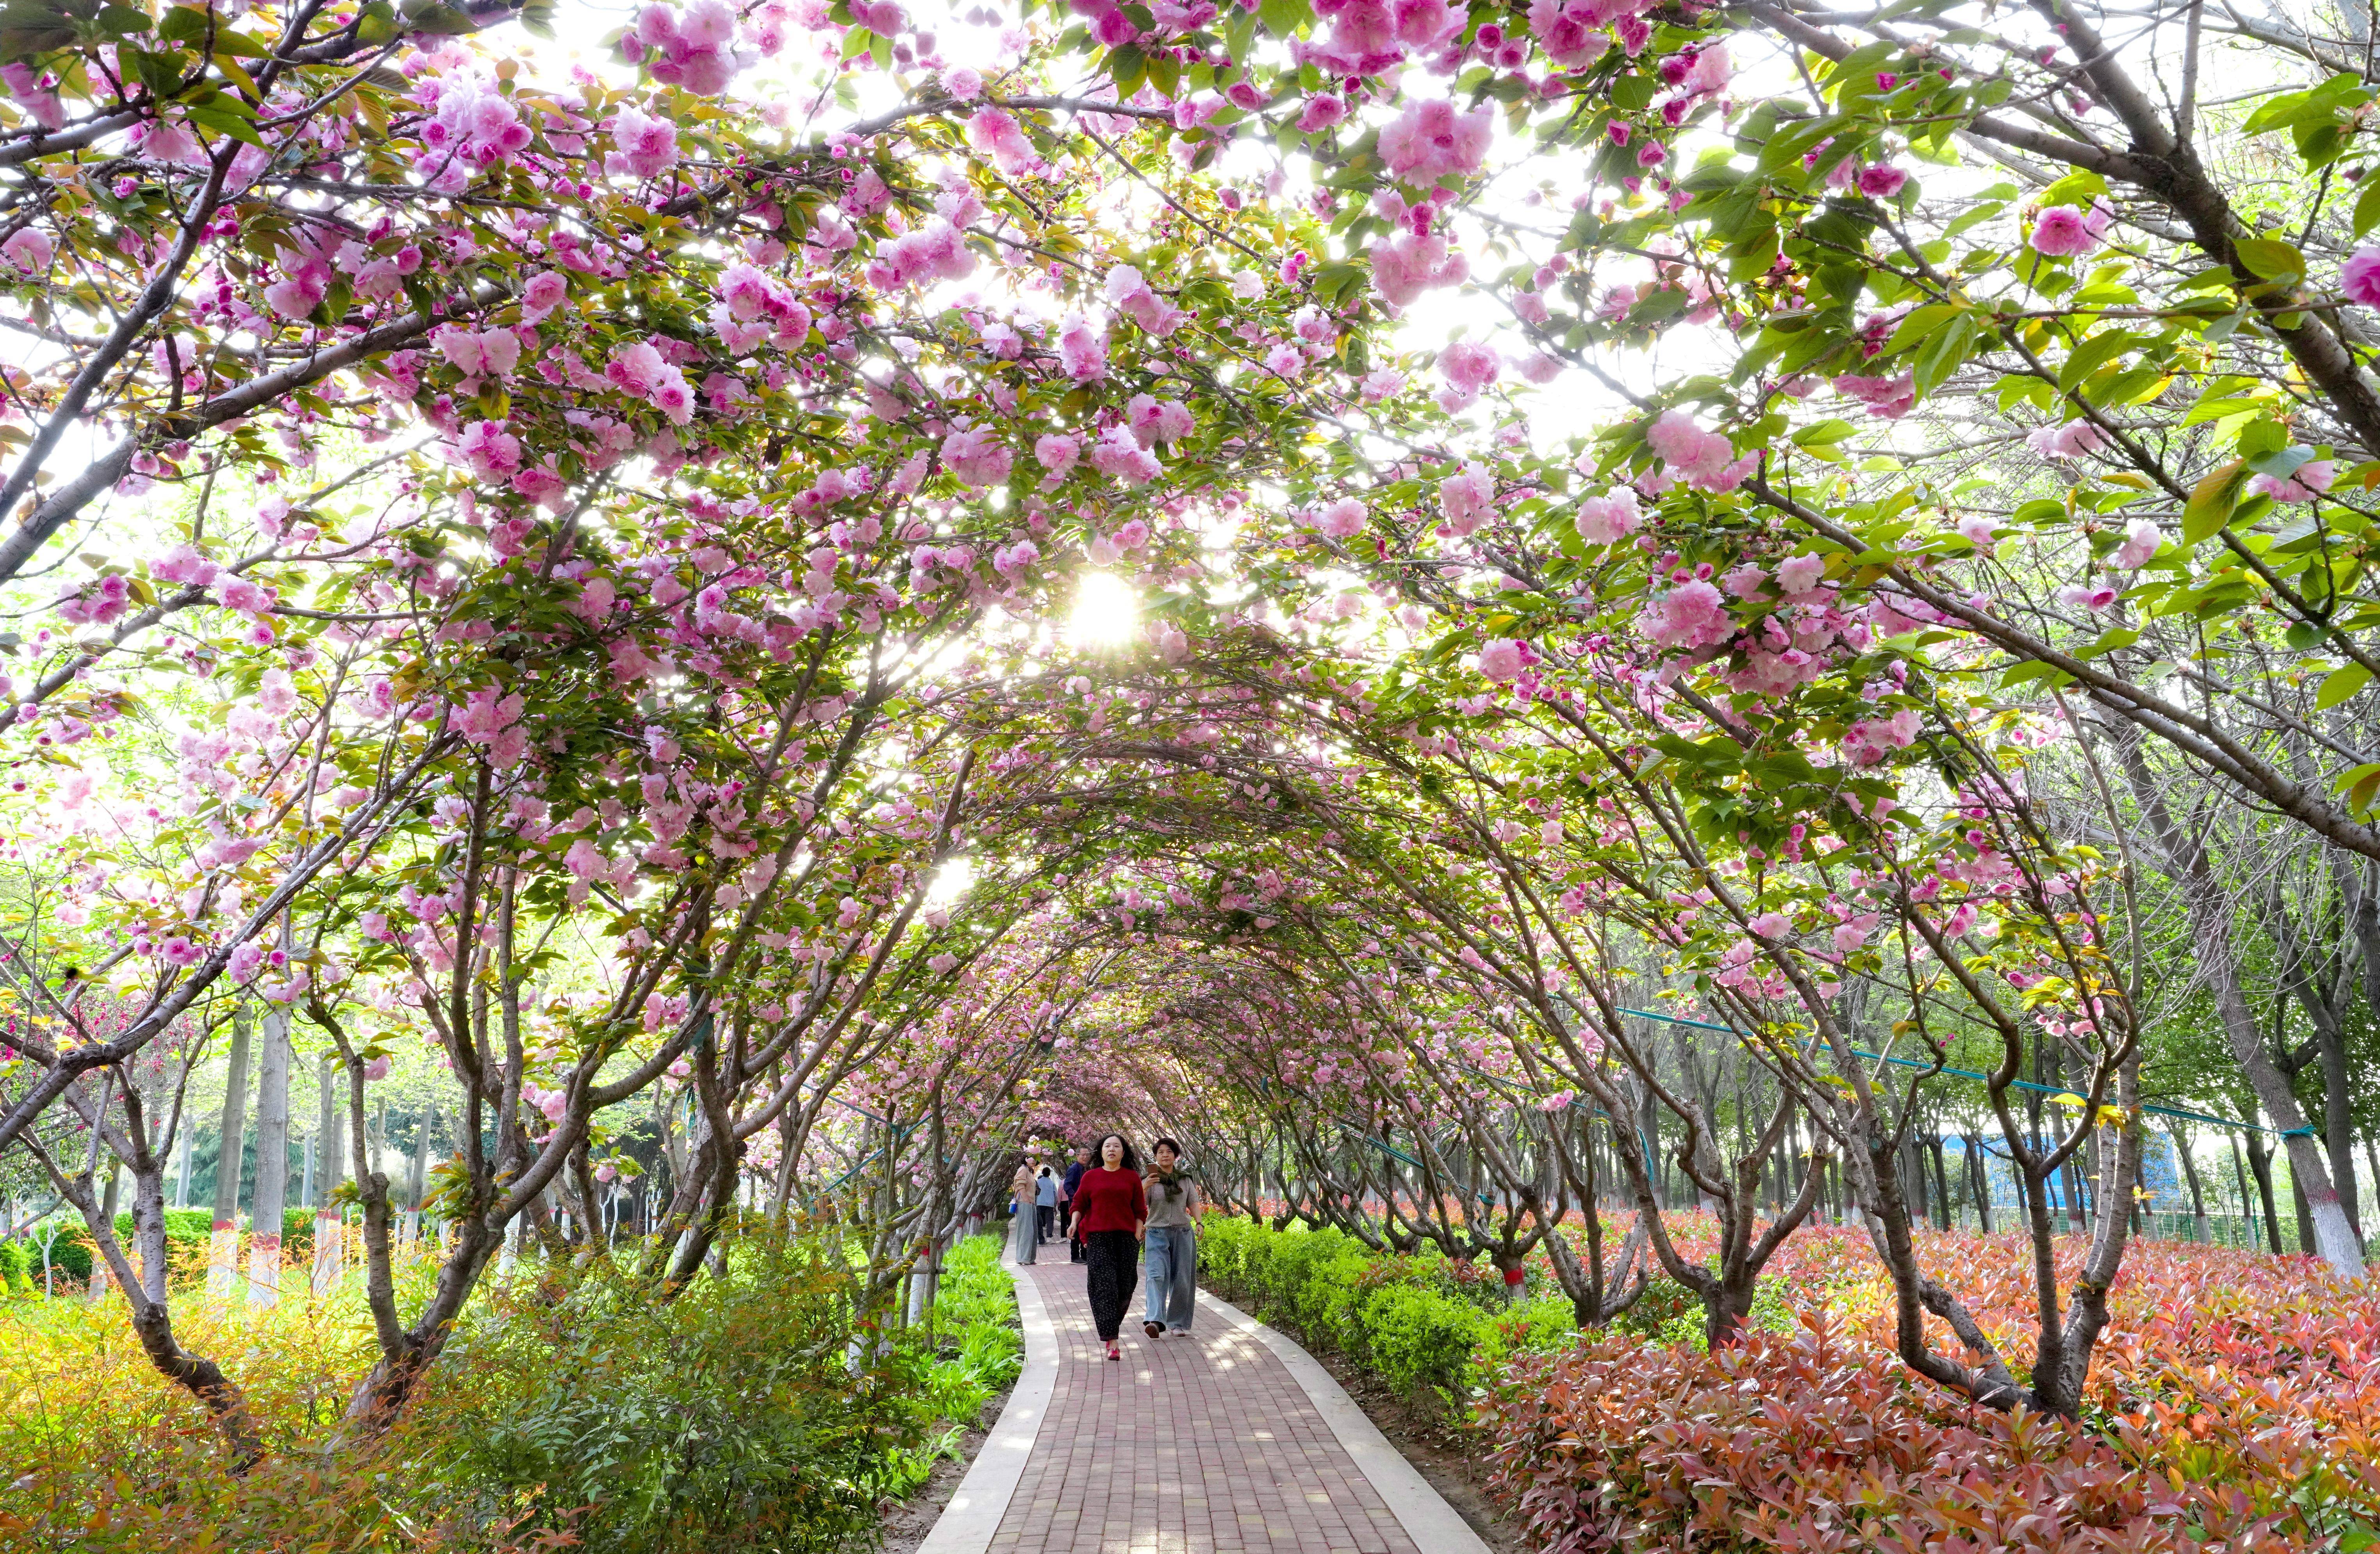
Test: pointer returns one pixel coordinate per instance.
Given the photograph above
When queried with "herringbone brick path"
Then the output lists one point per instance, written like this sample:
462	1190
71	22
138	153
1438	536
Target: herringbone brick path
1197	1446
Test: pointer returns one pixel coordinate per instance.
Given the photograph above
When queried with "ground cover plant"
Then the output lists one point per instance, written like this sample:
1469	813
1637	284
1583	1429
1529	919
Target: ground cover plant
2234	1403
753	1414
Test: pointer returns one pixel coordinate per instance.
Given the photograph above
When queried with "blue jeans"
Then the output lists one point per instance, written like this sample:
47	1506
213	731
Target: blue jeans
1171	1265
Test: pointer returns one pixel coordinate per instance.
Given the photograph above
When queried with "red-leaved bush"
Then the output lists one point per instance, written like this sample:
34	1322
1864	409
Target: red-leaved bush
1810	1444
2235	1405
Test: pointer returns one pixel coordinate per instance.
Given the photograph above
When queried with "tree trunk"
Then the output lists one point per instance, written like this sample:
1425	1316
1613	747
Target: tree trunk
152	1322
2338	1120
2306	1235
2212	913
107	1215
2190	1174
2260	1161
222	1251
2247	1212
271	1162
328	1174
417	1177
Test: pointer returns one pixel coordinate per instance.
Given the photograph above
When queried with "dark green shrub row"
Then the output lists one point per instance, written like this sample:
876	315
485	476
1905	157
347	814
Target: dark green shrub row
1422	1325
188	1232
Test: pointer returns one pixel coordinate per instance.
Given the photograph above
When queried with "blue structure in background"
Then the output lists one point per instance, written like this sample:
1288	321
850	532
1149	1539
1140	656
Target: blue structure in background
2161	1178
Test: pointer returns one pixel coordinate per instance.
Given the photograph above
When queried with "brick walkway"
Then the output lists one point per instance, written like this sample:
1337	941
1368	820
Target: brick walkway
1200	1446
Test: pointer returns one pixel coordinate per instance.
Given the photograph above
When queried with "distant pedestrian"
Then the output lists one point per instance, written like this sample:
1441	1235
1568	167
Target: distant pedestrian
1172	1242
1111	1208
1022	1241
1074	1219
1045	1204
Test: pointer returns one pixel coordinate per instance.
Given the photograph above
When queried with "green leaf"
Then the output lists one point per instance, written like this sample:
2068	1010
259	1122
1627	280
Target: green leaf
2094	354
2031	670
1824	434
1283	18
433	16
2340	684
1128	68
183	24
2360	784
2212	502
1942	354
2269	258
1918	325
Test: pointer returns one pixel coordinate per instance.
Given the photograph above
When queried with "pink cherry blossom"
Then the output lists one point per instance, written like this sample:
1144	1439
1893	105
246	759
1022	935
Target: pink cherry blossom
2068	440
1406	265
29	248
1082	348
1157	421
1469	366
1466	496
1342	519
2063	230
1001	137
1608	518
1692	615
2359	278
2309	481
1431	140
977	457
1056	452
1501	660
644	147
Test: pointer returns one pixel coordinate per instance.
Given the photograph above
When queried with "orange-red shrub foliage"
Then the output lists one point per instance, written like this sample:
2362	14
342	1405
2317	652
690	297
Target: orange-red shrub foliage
2234	1406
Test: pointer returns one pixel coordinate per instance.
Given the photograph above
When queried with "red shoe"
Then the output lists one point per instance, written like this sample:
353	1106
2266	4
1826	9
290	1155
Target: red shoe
1113	1353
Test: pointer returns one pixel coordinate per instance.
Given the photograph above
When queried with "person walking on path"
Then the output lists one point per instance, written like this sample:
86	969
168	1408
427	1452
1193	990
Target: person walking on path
1172	1241
1022	1239
1110	1208
1072	1215
1045	1204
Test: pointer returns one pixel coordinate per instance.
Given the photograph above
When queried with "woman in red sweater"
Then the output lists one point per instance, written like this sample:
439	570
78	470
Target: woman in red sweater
1109	1210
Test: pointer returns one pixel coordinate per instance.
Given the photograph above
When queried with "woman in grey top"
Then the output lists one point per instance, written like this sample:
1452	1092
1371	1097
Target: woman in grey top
1172	1257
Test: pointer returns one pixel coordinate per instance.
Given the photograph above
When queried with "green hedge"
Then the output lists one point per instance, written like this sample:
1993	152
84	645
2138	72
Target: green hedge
188	1232
1422	1324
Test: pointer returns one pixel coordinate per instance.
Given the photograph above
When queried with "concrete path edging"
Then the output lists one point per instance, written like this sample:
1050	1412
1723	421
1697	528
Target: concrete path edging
974	1513
1420	1510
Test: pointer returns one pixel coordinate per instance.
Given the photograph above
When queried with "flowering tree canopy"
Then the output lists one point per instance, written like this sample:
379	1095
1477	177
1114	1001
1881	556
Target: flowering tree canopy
862	585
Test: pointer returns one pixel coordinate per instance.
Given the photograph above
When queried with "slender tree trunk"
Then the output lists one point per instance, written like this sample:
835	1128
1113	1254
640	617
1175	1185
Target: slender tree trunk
2260	1161
107	1215
2190	1174
271	1161
2211	913
2338	1120
222	1251
417	1178
328	1173
2247	1208
2306	1241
